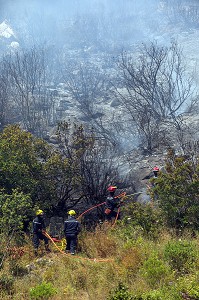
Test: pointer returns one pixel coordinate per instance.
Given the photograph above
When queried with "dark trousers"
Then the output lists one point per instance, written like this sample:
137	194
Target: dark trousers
112	214
71	242
37	237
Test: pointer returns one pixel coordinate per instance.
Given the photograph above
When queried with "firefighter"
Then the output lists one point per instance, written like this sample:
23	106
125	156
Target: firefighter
155	172
152	184
72	228
38	231
111	204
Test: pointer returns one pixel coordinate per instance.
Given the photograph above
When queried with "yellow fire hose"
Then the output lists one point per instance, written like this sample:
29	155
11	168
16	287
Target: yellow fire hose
79	257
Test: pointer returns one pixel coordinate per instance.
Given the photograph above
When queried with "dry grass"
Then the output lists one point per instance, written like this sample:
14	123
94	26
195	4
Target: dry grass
78	278
98	244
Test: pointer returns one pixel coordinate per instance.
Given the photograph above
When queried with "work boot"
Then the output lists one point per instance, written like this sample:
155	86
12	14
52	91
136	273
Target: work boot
47	248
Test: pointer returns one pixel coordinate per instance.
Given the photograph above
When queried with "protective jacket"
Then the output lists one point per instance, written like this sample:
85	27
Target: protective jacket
72	226
38	225
112	203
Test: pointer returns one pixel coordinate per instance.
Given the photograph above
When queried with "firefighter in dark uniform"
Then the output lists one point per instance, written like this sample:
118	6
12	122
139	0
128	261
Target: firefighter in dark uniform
155	172
38	228
111	204
72	228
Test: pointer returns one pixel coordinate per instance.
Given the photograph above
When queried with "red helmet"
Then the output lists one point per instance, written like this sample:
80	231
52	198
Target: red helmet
156	169
111	188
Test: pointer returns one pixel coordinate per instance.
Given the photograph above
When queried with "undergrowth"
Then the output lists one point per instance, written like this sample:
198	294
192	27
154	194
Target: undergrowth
128	265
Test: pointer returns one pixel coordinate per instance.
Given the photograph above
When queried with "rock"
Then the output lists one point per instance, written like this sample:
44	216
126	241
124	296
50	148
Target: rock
115	103
31	267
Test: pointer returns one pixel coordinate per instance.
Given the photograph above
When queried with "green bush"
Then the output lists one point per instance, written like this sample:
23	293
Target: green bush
188	285
121	293
166	293
153	295
149	219
192	290
181	255
177	192
42	291
129	234
155	271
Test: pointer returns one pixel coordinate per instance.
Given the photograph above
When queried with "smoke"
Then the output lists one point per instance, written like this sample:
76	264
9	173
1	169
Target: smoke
81	23
97	23
92	29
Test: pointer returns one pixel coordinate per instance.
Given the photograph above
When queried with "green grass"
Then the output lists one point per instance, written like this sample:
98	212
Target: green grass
128	264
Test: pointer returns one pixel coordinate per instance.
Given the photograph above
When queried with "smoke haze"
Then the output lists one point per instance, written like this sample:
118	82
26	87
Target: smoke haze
80	23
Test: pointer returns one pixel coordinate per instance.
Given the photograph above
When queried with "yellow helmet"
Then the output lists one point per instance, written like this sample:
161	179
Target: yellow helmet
39	212
72	212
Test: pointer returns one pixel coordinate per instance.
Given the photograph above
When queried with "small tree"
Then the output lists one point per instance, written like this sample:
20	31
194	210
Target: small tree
29	81
35	168
4	96
89	87
155	88
15	209
177	192
92	159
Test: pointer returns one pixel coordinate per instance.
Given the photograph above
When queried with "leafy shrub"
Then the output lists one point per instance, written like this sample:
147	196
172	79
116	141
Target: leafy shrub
162	294
121	293
177	192
145	216
6	282
191	290
152	295
181	255
14	209
42	291
186	287
129	234
155	270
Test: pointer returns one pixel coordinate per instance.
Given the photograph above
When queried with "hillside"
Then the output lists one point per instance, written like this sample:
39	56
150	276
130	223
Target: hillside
93	94
118	263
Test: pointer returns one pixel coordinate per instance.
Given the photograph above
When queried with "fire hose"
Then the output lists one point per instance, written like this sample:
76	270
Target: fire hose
78	257
122	195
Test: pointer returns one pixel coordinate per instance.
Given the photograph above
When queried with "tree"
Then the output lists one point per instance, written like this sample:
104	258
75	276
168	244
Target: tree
29	80
15	210
34	168
177	191
20	166
99	168
55	179
89	87
155	88
5	114
94	161
185	12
